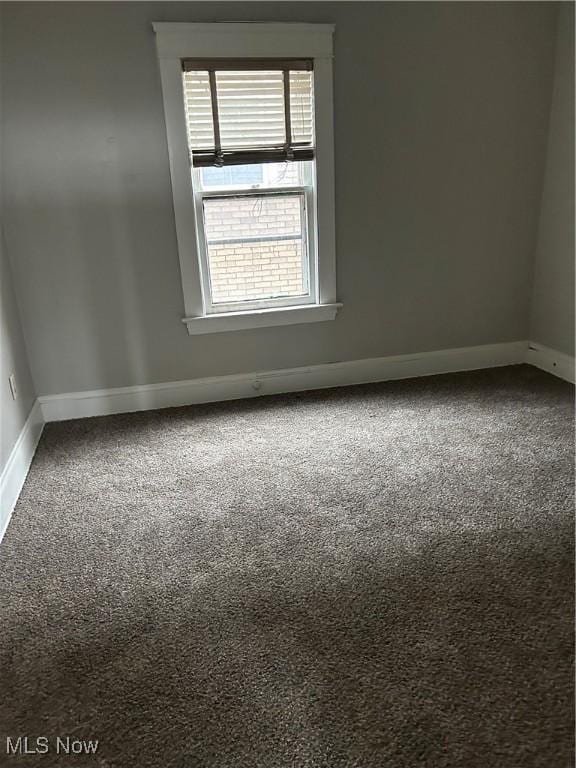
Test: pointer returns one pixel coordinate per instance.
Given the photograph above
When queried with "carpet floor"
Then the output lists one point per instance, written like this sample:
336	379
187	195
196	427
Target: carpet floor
371	577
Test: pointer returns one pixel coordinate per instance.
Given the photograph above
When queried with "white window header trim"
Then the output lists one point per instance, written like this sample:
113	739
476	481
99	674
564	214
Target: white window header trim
212	40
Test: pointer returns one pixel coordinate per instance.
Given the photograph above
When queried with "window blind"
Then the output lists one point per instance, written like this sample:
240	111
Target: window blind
248	111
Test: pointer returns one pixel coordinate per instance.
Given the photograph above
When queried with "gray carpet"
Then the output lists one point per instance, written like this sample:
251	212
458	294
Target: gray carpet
376	576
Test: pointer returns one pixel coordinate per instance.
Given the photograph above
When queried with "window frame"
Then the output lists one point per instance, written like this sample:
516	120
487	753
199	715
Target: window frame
307	192
178	41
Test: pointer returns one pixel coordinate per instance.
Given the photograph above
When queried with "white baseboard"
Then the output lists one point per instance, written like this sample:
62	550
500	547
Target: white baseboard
74	405
550	360
18	464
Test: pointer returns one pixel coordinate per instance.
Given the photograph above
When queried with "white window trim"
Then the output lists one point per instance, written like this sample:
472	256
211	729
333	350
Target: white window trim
176	41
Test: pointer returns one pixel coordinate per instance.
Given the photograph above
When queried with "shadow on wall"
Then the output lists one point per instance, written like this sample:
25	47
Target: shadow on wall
95	216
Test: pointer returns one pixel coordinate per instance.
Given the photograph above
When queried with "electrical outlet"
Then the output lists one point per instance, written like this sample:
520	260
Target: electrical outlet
13	388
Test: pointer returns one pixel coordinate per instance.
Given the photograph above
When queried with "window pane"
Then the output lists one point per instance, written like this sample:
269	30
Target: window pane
232	176
256	175
256	247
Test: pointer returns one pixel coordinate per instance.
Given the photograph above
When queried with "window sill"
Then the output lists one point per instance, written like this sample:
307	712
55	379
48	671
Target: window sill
260	318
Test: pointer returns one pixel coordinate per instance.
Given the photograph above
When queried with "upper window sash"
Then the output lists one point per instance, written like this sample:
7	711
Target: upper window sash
243	111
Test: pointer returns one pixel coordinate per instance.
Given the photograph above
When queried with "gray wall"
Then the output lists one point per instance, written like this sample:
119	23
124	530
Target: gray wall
552	322
13	359
441	119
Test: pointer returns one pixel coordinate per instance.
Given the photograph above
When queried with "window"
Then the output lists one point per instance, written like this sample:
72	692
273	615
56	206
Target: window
251	161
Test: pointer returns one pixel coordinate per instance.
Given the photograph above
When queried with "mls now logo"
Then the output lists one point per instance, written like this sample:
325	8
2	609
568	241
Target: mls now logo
41	745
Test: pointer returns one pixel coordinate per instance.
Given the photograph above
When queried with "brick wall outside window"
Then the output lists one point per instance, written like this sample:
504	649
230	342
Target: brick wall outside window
255	270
